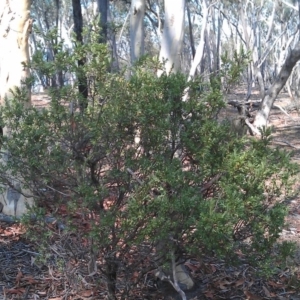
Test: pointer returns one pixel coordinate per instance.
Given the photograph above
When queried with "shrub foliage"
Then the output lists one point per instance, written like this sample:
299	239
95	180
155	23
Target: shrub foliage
140	166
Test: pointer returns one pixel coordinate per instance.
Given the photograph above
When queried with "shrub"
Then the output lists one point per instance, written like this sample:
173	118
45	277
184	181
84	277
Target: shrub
139	166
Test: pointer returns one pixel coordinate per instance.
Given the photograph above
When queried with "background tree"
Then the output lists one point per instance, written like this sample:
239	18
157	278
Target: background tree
261	119
137	35
103	10
54	18
82	80
268	42
15	27
190	186
189	183
173	33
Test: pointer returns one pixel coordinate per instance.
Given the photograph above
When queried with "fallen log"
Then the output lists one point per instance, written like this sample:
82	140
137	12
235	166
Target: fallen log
48	220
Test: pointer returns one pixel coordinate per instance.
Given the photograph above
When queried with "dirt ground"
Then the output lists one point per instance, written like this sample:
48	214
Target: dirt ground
21	278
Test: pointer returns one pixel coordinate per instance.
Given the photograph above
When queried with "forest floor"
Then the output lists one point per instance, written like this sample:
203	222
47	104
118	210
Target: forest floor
23	277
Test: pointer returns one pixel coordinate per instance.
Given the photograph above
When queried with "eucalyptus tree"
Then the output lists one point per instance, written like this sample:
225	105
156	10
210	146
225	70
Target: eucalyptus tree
286	61
103	10
200	48
15	28
53	22
48	15
107	33
173	34
82	79
137	31
262	116
170	55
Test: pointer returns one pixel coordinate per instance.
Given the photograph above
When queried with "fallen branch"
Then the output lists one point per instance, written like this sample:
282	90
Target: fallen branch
279	107
252	128
33	218
210	183
134	176
239	102
175	281
285	142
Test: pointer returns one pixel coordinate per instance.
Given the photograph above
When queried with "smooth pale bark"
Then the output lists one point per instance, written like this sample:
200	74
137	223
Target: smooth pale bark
170	52
137	31
172	38
200	48
15	27
220	25
271	22
192	42
215	38
289	5
262	116
252	40
298	1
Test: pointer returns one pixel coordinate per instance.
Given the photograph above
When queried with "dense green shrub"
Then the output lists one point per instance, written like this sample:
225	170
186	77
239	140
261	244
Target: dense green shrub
140	166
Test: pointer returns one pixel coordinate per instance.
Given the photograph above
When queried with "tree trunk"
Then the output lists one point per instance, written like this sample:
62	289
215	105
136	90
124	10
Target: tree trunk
192	42
111	277
114	66
171	46
219	28
137	35
15	27
60	77
200	48
173	32
103	10
256	54
299	17
52	49
262	116
81	77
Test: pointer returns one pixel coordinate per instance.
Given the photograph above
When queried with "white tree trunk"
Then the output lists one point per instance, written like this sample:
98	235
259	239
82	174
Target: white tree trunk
172	38
200	49
170	53
262	116
137	35
15	27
